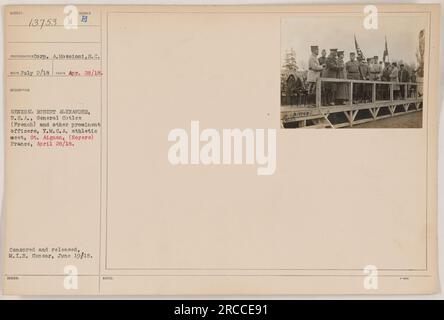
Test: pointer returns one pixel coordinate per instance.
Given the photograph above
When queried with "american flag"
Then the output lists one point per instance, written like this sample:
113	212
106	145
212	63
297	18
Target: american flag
358	50
386	52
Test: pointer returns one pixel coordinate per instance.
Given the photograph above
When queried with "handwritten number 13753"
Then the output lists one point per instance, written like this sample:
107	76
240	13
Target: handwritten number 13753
36	22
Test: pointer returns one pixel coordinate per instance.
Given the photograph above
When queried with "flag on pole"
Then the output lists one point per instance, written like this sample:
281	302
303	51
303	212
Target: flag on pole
358	50
386	53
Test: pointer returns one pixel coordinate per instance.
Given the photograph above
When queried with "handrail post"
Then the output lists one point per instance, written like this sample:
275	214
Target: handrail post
351	93
318	93
374	92
391	91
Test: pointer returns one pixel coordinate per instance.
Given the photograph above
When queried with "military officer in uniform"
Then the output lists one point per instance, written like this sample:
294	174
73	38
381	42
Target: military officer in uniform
352	69
314	69
322	61
386	77
394	77
413	77
342	93
365	75
404	76
374	69
375	73
331	71
386	72
323	58
381	67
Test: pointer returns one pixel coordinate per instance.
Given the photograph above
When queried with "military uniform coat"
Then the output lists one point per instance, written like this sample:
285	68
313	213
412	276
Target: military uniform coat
374	71
352	68
386	73
322	62
314	69
331	72
404	75
342	87
394	78
332	67
363	67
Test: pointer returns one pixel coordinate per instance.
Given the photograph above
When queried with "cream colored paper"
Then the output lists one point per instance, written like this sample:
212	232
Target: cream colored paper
110	214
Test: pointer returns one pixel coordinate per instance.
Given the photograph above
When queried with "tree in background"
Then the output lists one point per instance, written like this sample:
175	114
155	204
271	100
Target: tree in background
290	60
420	53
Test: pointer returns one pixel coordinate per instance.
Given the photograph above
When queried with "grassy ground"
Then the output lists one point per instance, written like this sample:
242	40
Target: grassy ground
410	120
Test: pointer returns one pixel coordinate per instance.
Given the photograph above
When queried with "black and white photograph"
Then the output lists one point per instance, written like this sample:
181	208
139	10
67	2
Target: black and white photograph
337	72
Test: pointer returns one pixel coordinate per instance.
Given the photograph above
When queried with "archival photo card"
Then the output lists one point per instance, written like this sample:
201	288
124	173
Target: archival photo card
353	72
147	150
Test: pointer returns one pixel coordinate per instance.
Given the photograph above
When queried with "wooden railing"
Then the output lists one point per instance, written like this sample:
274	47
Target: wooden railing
379	104
351	83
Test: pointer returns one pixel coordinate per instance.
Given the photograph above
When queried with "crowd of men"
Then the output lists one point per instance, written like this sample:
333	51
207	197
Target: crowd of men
356	68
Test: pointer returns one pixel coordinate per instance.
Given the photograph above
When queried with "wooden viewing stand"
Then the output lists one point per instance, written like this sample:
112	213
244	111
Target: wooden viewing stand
318	115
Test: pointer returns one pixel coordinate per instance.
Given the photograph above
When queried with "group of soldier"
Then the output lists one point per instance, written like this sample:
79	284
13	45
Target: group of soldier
357	68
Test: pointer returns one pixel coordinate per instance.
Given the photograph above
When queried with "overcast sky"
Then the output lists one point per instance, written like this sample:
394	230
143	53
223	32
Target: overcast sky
337	31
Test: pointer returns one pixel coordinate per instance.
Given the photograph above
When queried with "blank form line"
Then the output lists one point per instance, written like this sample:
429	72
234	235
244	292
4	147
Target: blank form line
60	25
53	41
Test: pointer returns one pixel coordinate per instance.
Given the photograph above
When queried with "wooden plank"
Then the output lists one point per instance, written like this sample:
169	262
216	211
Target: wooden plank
357	122
317	126
354	114
293	113
318	93
341	108
392	110
350	94
365	81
